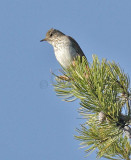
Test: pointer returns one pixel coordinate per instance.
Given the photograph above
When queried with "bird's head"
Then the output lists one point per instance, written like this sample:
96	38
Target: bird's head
52	36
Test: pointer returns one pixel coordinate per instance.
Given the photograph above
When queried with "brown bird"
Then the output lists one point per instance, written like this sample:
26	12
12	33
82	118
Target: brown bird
65	47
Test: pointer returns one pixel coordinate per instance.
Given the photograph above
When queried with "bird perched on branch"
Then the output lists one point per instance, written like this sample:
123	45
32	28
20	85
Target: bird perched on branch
65	47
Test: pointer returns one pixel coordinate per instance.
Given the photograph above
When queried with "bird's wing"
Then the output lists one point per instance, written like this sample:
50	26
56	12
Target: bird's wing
77	47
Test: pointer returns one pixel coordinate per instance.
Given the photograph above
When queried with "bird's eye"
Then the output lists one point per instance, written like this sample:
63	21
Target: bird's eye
51	35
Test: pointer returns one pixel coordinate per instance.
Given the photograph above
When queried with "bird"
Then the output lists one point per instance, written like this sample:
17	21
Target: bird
66	49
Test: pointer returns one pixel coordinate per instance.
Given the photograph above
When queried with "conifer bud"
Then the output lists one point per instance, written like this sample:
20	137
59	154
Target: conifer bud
127	131
101	117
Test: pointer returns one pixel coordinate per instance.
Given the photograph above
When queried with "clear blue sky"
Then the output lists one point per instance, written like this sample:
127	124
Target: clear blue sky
34	123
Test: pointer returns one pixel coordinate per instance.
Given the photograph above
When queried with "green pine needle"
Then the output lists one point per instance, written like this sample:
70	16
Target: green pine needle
100	87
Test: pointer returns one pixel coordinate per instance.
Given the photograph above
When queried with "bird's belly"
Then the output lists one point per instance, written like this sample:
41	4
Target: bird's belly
65	56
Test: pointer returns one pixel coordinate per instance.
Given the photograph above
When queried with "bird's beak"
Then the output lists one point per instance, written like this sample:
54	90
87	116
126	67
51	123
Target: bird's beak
43	40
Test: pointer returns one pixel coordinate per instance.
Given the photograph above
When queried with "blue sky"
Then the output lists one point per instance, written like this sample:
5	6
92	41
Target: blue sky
34	123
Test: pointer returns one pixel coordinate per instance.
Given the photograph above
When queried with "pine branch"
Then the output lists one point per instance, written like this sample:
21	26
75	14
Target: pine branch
103	91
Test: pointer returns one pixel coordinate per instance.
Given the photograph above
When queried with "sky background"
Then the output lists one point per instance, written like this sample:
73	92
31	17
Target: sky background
35	124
